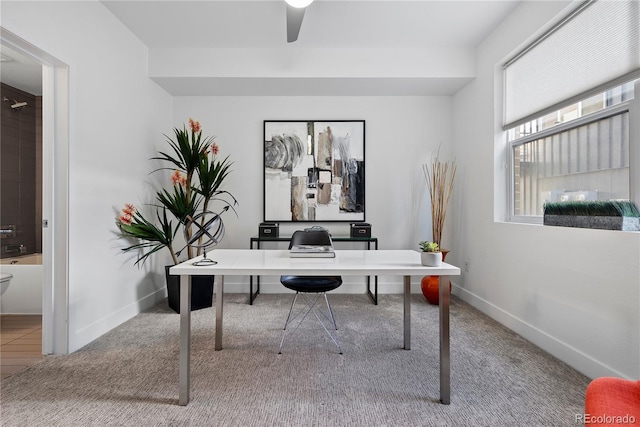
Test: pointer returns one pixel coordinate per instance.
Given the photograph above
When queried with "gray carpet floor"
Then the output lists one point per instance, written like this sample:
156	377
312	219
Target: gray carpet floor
129	376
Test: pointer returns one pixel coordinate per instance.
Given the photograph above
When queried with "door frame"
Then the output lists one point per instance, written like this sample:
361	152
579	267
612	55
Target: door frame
55	193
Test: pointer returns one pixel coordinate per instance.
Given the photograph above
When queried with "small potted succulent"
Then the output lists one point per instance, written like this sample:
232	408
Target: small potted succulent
431	255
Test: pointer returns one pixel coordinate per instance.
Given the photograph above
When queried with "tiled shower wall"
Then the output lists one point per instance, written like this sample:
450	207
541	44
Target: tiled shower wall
19	198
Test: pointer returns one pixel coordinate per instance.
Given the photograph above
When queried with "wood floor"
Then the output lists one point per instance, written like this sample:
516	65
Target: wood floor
20	342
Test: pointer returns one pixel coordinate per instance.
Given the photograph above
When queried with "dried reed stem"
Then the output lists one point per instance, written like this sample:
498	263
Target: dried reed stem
439	176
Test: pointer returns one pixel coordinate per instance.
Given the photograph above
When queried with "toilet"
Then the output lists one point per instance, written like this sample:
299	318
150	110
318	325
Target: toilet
5	281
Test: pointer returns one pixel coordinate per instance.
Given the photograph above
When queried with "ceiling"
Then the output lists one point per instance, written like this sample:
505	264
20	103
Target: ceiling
327	23
20	71
241	25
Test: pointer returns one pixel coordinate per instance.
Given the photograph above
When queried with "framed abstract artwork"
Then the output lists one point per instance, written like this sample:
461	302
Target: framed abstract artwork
314	171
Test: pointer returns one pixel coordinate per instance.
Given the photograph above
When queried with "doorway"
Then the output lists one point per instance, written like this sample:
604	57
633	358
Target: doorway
55	117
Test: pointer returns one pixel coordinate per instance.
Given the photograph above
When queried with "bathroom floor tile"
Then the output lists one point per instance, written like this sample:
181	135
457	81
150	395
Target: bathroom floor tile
30	339
21	331
27	354
20	342
20	346
7	338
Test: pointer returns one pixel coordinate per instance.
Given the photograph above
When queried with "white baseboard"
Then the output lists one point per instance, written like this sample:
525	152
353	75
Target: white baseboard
559	349
90	332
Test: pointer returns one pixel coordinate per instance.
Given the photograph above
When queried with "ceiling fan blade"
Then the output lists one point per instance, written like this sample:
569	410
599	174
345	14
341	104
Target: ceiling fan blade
294	22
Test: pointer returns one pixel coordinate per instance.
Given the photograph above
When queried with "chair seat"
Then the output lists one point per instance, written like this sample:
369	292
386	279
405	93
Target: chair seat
311	283
609	399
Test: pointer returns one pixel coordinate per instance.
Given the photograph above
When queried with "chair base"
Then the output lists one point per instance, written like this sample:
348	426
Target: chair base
311	306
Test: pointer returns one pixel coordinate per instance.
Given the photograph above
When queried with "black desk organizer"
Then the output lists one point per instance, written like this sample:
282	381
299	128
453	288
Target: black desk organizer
368	240
268	229
360	229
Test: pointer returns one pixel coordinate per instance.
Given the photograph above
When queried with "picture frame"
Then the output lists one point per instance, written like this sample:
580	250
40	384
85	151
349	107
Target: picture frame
314	171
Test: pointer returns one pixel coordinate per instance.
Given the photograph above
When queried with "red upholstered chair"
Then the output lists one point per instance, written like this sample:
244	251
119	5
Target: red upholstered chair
612	402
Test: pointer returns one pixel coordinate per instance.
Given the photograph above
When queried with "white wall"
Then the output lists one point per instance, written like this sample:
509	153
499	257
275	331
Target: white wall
401	133
573	292
117	114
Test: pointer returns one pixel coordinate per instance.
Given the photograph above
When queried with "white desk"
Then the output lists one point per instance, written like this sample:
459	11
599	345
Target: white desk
246	262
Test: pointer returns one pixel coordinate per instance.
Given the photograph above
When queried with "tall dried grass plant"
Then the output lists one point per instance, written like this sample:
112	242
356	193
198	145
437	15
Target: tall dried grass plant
439	176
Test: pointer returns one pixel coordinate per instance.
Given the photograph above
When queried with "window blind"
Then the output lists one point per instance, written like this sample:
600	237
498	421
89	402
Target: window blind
596	46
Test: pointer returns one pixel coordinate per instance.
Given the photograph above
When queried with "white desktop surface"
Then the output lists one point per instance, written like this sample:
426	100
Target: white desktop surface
245	262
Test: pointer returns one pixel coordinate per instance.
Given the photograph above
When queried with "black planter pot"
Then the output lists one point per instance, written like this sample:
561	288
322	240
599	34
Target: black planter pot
201	291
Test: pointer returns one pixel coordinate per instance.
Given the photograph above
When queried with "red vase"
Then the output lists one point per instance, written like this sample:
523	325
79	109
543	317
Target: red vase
431	285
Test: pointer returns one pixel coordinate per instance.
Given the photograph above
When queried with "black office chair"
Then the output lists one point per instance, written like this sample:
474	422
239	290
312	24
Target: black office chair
311	287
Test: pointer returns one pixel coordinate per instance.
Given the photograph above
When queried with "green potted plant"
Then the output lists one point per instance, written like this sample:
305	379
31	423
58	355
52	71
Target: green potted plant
600	214
195	186
431	255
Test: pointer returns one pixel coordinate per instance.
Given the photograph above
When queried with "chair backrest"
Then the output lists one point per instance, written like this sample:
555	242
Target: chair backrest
311	237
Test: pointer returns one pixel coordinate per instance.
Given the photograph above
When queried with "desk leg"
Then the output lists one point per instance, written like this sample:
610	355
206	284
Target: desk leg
185	339
376	287
407	312
373	296
445	362
219	297
252	295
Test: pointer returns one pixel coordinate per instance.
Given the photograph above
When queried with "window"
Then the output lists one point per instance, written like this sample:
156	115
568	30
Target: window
571	115
580	152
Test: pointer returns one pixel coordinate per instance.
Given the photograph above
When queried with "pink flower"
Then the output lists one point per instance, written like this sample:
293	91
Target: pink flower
178	179
129	209
194	125
127	214
126	218
214	149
